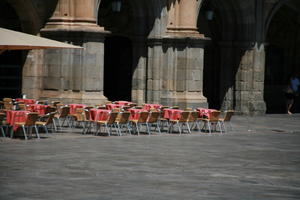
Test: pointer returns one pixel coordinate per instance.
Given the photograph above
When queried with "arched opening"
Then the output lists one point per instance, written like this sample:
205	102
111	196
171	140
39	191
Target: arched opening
11	62
118	49
209	24
117	68
282	56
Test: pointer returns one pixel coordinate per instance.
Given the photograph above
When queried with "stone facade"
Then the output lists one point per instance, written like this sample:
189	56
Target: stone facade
180	56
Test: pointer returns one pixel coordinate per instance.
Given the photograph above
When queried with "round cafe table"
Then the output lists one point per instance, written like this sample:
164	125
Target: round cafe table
37	108
74	106
205	112
172	114
13	116
26	101
99	114
135	113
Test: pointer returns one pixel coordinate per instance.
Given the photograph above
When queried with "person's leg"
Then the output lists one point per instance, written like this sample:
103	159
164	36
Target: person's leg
289	106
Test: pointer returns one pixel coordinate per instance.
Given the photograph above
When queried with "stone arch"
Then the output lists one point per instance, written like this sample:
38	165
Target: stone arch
282	52
223	54
142	19
21	17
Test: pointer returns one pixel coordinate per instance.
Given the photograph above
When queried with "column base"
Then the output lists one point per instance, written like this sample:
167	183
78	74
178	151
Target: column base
185	100
69	96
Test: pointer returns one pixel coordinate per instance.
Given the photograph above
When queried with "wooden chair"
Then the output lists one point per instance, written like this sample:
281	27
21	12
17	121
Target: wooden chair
49	121
163	122
7	99
64	114
181	122
122	120
3	124
153	119
142	120
194	120
212	120
29	124
108	124
22	106
226	119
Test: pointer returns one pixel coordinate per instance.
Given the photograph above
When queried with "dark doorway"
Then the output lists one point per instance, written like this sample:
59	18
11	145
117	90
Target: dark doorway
282	57
209	25
11	62
117	68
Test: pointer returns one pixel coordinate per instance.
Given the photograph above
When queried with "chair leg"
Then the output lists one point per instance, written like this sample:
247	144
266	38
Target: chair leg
148	129
209	127
2	130
46	129
188	126
24	131
179	128
37	132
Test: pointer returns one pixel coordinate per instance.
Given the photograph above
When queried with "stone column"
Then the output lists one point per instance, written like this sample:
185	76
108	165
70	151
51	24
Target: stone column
74	75
175	66
138	77
250	82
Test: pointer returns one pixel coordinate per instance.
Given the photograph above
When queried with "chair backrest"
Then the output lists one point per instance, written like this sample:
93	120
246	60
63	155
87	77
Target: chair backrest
6	99
22	106
54	103
228	115
124	117
50	118
87	114
50	109
79	114
214	115
116	110
89	107
112	117
143	117
2	118
31	119
153	117
184	116
41	102
164	107
175	107
8	105
193	116
65	110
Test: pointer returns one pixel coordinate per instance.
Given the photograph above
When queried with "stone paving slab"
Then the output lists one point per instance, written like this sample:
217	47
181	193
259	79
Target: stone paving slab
259	159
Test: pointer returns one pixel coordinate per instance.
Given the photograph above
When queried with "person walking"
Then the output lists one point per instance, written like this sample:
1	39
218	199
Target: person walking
291	93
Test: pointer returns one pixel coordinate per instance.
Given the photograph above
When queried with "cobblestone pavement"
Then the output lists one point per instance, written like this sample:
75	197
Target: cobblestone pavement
258	159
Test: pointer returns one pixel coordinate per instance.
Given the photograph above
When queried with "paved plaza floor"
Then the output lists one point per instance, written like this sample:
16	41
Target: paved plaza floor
258	159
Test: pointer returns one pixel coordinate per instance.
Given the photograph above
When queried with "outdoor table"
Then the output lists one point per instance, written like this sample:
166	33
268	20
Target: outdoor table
172	114
205	112
99	114
74	106
148	106
37	108
13	116
26	101
124	103
111	106
135	113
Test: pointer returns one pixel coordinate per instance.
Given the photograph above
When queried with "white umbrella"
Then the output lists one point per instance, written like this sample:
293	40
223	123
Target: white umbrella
14	40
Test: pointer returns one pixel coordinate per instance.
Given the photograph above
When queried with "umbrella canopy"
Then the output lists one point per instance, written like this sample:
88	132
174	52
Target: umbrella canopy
14	40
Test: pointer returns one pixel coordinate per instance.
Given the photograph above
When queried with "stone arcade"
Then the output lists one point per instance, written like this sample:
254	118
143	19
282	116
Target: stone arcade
229	54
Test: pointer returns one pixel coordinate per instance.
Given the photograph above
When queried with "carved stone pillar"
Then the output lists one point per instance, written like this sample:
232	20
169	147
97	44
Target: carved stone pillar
74	75
175	66
182	19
